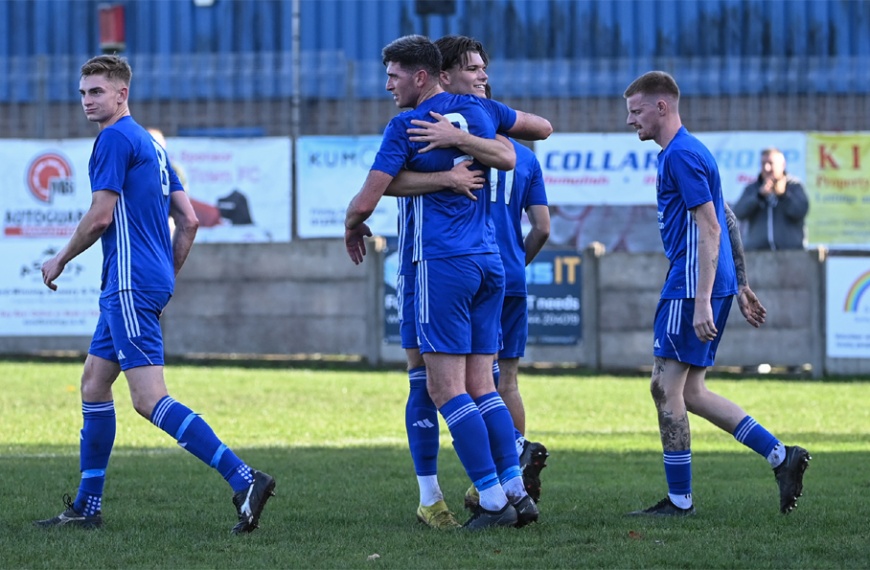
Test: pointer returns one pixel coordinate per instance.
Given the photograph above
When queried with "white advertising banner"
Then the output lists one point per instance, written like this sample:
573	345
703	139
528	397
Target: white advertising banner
240	188
29	308
45	189
44	194
619	169
329	172
848	307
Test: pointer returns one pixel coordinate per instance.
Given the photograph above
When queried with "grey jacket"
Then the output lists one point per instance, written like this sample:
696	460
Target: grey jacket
771	222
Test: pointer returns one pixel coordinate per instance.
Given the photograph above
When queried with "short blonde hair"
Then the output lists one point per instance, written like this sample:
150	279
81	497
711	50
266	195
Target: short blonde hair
113	67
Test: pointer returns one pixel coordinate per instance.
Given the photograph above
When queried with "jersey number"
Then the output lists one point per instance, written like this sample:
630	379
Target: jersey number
164	167
458	120
508	185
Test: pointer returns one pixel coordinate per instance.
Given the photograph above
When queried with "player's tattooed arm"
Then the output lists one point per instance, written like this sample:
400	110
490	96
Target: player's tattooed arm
736	247
750	307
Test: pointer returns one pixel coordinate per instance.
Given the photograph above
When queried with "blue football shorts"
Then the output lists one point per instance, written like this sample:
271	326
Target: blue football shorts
675	336
458	304
514	327
128	329
405	287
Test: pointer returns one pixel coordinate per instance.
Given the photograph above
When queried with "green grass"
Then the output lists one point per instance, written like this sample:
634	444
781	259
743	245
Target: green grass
334	440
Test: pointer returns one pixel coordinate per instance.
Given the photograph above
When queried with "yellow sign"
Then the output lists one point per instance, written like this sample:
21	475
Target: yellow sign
838	186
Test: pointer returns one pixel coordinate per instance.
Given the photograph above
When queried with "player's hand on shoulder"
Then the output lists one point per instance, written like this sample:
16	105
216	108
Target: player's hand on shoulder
440	134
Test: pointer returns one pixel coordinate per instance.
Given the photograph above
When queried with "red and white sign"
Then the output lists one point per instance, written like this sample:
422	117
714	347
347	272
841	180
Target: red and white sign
47	191
240	187
50	173
243	185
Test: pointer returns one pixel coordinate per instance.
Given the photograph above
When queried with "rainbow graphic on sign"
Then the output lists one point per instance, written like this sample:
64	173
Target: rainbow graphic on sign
856	291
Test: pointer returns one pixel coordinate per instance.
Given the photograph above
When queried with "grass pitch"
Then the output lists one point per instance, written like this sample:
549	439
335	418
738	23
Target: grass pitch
335	442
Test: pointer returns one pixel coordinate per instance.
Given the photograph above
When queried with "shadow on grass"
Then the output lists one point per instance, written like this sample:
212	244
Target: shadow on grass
341	507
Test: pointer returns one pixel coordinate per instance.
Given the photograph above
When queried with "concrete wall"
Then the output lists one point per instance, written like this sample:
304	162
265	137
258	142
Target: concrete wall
303	297
306	297
788	283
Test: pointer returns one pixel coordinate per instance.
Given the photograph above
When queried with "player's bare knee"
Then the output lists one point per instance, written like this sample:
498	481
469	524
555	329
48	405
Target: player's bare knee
143	408
144	400
507	388
95	389
439	393
698	397
414	358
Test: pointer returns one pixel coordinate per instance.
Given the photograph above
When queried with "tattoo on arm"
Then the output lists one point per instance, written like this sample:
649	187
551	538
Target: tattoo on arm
736	247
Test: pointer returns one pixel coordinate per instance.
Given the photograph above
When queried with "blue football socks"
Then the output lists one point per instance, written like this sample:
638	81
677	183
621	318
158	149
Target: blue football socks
500	428
753	435
421	423
678	472
469	439
472	443
196	436
97	439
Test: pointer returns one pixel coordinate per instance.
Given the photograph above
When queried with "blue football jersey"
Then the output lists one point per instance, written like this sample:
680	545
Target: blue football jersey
688	176
444	224
515	191
503	117
137	250
405	244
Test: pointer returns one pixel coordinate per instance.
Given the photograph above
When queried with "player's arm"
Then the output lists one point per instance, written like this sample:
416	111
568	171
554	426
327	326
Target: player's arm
358	211
750	307
461	179
366	200
539	218
496	153
736	247
709	234
89	229
530	127
186	224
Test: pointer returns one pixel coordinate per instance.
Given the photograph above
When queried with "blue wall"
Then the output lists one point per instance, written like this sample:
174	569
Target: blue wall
565	48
